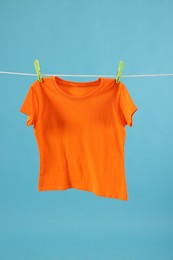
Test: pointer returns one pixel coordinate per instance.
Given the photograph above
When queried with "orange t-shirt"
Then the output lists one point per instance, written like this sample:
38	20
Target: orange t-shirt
80	132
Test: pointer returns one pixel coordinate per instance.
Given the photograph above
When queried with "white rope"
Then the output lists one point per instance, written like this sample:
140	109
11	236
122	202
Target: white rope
80	75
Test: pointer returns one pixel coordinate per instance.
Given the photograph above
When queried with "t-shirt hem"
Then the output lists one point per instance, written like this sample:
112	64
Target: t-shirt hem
51	188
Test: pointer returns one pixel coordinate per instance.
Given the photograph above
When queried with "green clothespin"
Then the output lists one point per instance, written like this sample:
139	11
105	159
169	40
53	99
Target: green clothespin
120	68
37	68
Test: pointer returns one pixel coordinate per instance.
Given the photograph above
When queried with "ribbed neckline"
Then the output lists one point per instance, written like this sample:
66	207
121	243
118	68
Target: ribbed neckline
58	81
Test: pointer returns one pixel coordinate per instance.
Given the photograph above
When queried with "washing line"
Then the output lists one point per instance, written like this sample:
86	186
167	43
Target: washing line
86	75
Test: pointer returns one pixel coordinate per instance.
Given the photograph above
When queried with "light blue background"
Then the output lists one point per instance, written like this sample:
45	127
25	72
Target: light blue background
88	37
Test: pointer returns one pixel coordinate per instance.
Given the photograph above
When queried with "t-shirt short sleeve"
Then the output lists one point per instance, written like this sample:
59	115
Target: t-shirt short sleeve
30	107
126	106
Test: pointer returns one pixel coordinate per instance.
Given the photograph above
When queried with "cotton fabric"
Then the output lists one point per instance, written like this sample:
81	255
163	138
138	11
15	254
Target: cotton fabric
80	131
